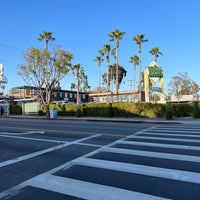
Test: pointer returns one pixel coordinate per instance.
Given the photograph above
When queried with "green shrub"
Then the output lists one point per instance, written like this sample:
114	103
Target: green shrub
78	111
196	110
128	109
16	109
169	111
182	109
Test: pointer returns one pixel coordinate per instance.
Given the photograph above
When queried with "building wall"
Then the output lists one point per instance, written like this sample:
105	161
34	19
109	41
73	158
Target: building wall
59	95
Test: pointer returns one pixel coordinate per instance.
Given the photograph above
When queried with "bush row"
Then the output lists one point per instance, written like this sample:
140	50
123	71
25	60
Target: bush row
146	110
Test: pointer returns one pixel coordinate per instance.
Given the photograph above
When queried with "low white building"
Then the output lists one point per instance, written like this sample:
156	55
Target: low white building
185	98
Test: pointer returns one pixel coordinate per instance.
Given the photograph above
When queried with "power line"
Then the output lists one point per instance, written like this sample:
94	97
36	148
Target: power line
10	47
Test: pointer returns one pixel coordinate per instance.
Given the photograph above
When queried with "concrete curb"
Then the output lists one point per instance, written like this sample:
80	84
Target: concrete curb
113	120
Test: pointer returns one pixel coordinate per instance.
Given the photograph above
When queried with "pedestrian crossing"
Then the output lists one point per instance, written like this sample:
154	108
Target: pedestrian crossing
161	162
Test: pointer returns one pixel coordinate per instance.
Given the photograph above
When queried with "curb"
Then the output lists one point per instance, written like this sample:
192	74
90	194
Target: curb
97	120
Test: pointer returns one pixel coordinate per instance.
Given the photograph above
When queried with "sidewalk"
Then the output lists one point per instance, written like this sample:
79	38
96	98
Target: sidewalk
185	120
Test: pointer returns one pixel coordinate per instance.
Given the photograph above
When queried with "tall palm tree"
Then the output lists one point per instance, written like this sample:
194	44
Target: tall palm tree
77	68
116	36
99	60
46	36
135	60
106	51
155	52
139	39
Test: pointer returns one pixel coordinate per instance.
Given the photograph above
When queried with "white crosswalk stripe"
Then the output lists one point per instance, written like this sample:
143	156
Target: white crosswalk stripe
86	190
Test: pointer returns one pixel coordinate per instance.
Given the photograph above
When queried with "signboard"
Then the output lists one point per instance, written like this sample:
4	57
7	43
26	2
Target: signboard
31	107
155	89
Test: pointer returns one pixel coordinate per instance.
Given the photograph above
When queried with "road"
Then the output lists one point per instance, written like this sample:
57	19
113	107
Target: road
63	159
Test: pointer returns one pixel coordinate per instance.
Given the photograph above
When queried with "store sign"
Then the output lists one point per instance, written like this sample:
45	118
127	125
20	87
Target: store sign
155	89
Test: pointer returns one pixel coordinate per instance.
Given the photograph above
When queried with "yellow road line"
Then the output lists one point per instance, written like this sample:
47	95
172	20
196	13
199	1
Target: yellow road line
65	131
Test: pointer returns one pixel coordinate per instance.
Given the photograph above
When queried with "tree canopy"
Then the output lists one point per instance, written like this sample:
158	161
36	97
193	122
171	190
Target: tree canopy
112	74
182	84
43	69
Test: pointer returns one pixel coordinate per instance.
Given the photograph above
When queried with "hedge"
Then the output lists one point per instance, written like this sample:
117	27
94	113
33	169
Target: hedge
130	109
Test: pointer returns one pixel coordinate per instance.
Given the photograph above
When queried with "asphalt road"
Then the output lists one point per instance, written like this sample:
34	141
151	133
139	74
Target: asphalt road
63	159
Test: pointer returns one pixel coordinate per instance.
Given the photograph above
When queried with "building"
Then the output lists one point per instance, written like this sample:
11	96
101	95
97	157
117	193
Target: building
24	92
123	96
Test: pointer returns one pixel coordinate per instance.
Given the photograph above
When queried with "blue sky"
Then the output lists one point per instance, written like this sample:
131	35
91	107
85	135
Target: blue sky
81	27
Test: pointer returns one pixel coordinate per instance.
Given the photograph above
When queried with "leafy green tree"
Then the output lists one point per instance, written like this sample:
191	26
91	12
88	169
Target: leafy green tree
112	74
96	90
139	39
44	69
116	36
155	52
182	84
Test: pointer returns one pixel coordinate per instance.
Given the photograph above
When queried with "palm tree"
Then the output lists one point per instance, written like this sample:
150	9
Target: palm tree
135	60
155	52
77	68
112	73
47	36
99	60
139	39
116	36
106	50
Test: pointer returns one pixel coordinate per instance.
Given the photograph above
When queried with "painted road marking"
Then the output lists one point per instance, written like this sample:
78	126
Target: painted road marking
25	133
9	162
171	134
65	131
165	139
152	154
173	146
192	177
29	138
174	131
86	190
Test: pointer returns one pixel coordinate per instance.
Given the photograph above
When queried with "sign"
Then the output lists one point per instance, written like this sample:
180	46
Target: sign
155	89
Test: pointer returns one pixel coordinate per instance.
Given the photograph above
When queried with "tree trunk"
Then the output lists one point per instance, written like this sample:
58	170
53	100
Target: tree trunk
47	111
117	75
107	84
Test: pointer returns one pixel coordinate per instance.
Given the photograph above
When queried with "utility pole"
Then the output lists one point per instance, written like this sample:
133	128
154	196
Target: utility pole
130	84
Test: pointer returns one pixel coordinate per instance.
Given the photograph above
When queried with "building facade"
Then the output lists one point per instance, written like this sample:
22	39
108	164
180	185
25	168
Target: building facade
24	92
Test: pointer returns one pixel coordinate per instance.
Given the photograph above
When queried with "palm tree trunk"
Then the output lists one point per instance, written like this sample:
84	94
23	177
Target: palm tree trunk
78	87
107	84
139	85
134	82
117	75
99	81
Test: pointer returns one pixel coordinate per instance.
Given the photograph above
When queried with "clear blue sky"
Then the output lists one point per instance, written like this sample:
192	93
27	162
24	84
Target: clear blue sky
81	27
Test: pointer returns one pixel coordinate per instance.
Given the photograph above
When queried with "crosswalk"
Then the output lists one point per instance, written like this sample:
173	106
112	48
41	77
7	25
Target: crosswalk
161	162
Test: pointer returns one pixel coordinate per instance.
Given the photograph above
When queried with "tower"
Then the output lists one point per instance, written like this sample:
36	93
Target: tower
152	74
